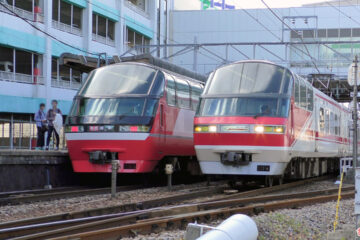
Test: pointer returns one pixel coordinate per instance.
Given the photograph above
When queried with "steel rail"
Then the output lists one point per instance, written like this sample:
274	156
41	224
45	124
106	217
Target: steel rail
175	217
52	195
107	221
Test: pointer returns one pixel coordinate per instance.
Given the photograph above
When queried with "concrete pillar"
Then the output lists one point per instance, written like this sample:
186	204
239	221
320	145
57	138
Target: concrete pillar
120	29
152	11
87	26
47	55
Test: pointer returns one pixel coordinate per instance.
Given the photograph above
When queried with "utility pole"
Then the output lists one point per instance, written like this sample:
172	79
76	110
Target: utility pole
355	114
355	147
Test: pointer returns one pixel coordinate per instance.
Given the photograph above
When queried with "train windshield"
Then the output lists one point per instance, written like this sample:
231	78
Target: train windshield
245	106
250	77
109	107
119	79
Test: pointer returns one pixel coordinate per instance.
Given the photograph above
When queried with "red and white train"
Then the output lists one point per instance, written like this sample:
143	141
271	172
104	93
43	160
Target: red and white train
137	113
257	118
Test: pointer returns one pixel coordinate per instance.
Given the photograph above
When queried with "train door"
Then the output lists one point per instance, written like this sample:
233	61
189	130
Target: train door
317	123
162	124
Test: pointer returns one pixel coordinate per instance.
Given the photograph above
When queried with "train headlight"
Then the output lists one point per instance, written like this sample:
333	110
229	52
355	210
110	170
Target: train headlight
206	129
279	129
259	129
212	129
269	129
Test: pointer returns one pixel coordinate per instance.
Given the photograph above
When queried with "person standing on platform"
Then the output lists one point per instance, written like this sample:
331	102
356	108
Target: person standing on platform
41	124
50	116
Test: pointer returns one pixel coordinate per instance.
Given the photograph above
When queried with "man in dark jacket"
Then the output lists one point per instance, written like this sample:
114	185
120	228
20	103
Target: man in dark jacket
40	119
50	116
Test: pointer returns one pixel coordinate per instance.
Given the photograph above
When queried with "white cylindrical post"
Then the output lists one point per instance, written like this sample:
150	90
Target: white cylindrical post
238	226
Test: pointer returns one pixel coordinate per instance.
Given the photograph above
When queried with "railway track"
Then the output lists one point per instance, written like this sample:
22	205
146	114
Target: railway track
125	220
12	198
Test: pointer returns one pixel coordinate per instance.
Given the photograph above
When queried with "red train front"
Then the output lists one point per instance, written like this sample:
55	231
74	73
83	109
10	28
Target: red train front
257	118
136	113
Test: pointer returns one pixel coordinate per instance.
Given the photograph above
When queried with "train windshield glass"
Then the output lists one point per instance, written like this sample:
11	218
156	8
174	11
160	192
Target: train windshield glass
244	106
250	77
119	79
114	107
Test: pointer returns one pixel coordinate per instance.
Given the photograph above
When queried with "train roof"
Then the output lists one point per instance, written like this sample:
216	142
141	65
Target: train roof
87	64
323	95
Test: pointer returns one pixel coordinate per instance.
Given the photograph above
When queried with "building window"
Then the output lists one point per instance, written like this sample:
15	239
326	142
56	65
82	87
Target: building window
29	9
20	66
64	76
139	3
67	17
6	59
103	29
134	38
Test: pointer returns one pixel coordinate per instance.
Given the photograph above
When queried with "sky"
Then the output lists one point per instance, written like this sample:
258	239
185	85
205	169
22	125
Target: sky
195	4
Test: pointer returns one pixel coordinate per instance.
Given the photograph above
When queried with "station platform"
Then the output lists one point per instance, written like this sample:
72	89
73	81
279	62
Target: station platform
34	169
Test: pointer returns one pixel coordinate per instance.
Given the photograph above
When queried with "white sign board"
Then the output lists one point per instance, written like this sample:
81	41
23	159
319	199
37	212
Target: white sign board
351	75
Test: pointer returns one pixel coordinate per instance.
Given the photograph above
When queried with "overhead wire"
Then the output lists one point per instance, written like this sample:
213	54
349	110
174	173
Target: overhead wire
290	28
44	32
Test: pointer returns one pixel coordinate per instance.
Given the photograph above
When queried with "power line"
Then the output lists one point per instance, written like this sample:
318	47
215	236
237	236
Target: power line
302	40
47	34
338	9
267	29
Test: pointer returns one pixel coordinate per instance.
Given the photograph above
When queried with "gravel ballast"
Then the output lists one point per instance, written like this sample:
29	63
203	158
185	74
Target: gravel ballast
310	222
37	209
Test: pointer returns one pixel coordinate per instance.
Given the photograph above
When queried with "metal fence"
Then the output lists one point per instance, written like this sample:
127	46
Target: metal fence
22	134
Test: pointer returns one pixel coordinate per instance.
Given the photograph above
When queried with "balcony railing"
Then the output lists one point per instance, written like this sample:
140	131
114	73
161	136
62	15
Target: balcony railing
136	9
59	83
22	134
103	40
36	17
19	77
66	28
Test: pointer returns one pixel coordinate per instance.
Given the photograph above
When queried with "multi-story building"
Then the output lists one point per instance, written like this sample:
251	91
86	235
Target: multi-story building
34	33
336	23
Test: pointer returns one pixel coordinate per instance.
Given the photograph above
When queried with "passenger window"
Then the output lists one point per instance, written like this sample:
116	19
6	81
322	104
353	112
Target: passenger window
182	93
337	125
196	91
332	123
310	99
158	86
327	121
322	120
297	92
303	103
170	91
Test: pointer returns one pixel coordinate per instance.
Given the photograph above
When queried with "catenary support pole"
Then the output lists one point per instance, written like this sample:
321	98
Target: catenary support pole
114	169
355	146
355	115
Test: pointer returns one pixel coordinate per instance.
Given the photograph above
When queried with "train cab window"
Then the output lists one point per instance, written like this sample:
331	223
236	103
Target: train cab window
287	82
118	79
158	86
245	78
303	102
322	120
170	91
310	99
182	93
297	92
